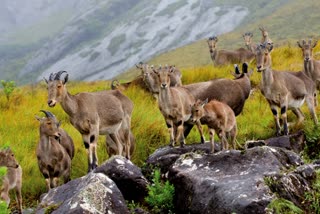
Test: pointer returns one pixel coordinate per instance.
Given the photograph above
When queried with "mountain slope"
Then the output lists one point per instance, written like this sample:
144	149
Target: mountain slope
101	39
288	22
136	32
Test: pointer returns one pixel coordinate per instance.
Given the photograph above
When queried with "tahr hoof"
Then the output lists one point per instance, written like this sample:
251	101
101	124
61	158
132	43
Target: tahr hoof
202	140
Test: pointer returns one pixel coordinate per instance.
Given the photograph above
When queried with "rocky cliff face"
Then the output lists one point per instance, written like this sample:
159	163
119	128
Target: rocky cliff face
104	38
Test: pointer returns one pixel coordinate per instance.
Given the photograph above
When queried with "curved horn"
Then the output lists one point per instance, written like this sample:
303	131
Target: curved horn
51	77
48	113
57	75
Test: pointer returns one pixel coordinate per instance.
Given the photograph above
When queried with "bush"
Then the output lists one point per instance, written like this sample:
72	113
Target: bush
8	87
160	196
312	149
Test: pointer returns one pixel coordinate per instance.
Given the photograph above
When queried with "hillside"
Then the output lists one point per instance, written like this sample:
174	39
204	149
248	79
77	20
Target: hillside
286	22
105	38
101	39
20	130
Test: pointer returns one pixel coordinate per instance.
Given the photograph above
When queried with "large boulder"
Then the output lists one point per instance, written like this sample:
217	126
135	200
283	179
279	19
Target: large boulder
127	177
229	181
93	193
165	157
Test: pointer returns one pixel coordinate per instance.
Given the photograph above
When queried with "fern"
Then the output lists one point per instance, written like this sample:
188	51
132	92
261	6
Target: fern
280	205
160	196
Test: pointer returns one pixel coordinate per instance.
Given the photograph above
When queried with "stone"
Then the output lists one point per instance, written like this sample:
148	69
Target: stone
228	181
127	176
93	193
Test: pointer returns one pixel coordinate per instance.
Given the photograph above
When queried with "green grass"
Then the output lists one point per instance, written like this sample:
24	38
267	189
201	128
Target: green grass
20	129
280	206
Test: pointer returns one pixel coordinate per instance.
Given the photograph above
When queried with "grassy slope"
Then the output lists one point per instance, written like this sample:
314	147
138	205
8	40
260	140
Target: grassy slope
20	129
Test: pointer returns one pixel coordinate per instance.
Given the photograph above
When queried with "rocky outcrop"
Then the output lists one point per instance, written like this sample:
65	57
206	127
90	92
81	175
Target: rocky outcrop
127	177
93	193
228	181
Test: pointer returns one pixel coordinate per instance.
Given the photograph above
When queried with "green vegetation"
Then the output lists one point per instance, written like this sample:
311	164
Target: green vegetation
312	150
3	204
161	194
21	130
312	198
8	88
280	206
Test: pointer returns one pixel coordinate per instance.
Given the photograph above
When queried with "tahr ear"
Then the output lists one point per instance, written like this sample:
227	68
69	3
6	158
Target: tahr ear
236	69
245	67
269	46
45	80
171	69
314	44
38	118
300	46
204	102
66	79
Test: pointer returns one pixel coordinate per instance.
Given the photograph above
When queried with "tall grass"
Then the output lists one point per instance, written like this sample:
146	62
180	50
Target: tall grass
20	129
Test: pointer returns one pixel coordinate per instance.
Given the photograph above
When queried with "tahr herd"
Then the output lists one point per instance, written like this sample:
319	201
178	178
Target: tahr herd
214	103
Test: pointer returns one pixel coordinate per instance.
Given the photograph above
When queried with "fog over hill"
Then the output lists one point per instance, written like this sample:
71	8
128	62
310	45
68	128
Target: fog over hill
100	39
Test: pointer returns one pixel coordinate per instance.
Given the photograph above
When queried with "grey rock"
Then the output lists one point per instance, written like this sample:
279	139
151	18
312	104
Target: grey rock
127	176
227	181
93	193
165	157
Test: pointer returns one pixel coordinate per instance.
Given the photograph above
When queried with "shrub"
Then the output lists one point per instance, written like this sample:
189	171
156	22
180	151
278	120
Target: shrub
160	196
312	149
8	87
